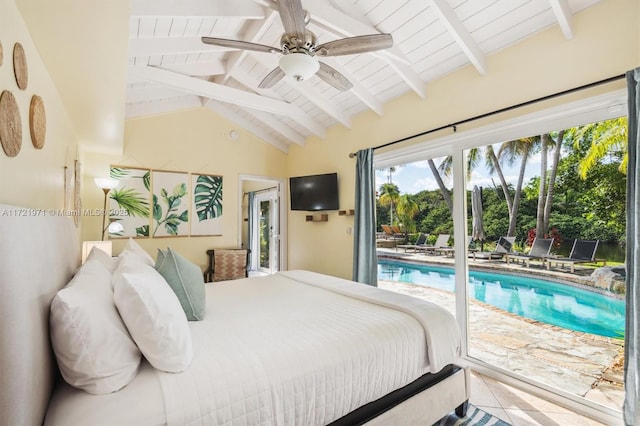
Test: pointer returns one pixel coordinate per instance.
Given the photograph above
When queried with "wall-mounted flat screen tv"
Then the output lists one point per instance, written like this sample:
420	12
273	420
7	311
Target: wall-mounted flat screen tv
314	193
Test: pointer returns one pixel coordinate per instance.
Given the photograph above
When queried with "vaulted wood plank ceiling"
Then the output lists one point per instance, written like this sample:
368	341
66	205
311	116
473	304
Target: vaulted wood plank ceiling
171	69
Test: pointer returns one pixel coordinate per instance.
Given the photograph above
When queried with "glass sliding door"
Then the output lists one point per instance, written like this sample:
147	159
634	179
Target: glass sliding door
547	317
415	230
546	213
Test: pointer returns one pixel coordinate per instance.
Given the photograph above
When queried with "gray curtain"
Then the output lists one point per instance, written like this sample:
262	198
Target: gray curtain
252	232
365	259
632	328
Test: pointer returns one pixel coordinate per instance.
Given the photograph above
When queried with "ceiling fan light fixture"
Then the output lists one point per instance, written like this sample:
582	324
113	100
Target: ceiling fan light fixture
300	66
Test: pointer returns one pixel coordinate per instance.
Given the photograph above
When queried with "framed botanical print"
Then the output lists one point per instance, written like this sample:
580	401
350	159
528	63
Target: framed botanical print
206	205
129	202
170	204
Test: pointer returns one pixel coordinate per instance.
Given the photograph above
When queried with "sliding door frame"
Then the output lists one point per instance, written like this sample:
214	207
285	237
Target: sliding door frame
603	106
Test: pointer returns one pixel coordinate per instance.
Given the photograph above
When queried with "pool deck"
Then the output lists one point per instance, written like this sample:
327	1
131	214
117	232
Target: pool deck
581	363
581	276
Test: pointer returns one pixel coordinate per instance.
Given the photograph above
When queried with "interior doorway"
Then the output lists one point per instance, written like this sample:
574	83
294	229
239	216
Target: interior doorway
263	223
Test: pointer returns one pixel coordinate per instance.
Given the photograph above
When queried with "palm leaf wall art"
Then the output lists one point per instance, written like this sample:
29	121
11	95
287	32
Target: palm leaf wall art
129	202
206	204
170	204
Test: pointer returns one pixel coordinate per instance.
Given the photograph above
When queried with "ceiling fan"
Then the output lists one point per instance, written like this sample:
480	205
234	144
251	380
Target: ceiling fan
299	49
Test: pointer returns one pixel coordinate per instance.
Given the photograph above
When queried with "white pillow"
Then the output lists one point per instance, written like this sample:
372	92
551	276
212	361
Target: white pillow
134	247
102	257
153	316
91	343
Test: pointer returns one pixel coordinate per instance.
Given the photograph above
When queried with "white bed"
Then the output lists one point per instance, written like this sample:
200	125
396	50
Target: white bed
293	348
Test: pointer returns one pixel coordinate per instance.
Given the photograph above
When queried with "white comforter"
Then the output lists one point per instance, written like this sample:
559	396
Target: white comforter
282	352
286	349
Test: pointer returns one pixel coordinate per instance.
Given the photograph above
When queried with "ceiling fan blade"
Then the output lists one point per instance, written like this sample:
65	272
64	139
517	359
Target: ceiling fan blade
357	44
272	78
238	44
292	16
331	76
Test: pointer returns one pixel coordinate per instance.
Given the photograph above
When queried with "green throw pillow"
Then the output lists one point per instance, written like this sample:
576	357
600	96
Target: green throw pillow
185	279
160	257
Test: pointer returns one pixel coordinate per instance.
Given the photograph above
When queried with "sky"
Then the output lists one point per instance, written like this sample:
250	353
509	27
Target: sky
415	177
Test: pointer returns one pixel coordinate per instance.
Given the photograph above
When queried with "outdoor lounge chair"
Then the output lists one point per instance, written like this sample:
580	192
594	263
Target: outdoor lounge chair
583	251
442	242
450	251
420	242
504	246
389	233
539	251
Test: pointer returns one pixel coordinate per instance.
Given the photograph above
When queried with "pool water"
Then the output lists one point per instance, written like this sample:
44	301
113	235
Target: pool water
552	303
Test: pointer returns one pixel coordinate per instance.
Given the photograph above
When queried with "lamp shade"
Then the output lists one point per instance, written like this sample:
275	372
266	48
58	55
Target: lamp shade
106	183
300	66
115	227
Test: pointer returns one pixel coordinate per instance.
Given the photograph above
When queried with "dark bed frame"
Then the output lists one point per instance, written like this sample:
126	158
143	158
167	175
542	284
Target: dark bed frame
375	408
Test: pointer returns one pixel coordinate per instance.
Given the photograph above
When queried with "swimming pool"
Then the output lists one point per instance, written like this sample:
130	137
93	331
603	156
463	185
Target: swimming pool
552	303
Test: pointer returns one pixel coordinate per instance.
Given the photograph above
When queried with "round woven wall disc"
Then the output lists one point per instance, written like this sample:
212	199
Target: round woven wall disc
10	124
37	121
20	66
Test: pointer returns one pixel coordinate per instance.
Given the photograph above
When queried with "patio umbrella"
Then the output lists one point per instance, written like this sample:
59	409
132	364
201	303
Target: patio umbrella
477	232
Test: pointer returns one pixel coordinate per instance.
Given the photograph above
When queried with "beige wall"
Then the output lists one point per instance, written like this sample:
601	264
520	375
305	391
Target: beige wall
194	141
83	44
606	43
33	178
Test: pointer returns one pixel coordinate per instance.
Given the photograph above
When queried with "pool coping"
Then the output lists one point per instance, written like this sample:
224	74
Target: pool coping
578	281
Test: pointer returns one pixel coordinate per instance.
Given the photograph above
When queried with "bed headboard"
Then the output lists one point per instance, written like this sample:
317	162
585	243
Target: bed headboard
38	255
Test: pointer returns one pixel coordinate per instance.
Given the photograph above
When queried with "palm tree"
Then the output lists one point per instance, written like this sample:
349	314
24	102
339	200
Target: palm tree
445	191
553	172
392	170
474	157
544	144
510	151
446	167
408	208
389	195
493	165
606	137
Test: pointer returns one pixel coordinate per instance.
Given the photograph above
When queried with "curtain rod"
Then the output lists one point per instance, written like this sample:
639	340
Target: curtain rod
260	190
498	111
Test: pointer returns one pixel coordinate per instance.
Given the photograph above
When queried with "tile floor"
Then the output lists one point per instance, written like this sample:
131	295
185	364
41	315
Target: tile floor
520	408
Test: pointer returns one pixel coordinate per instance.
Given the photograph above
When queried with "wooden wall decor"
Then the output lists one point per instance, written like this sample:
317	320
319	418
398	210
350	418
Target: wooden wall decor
37	121
20	69
10	124
77	189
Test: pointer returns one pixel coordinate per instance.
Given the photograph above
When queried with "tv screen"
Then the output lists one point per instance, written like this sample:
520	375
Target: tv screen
314	193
